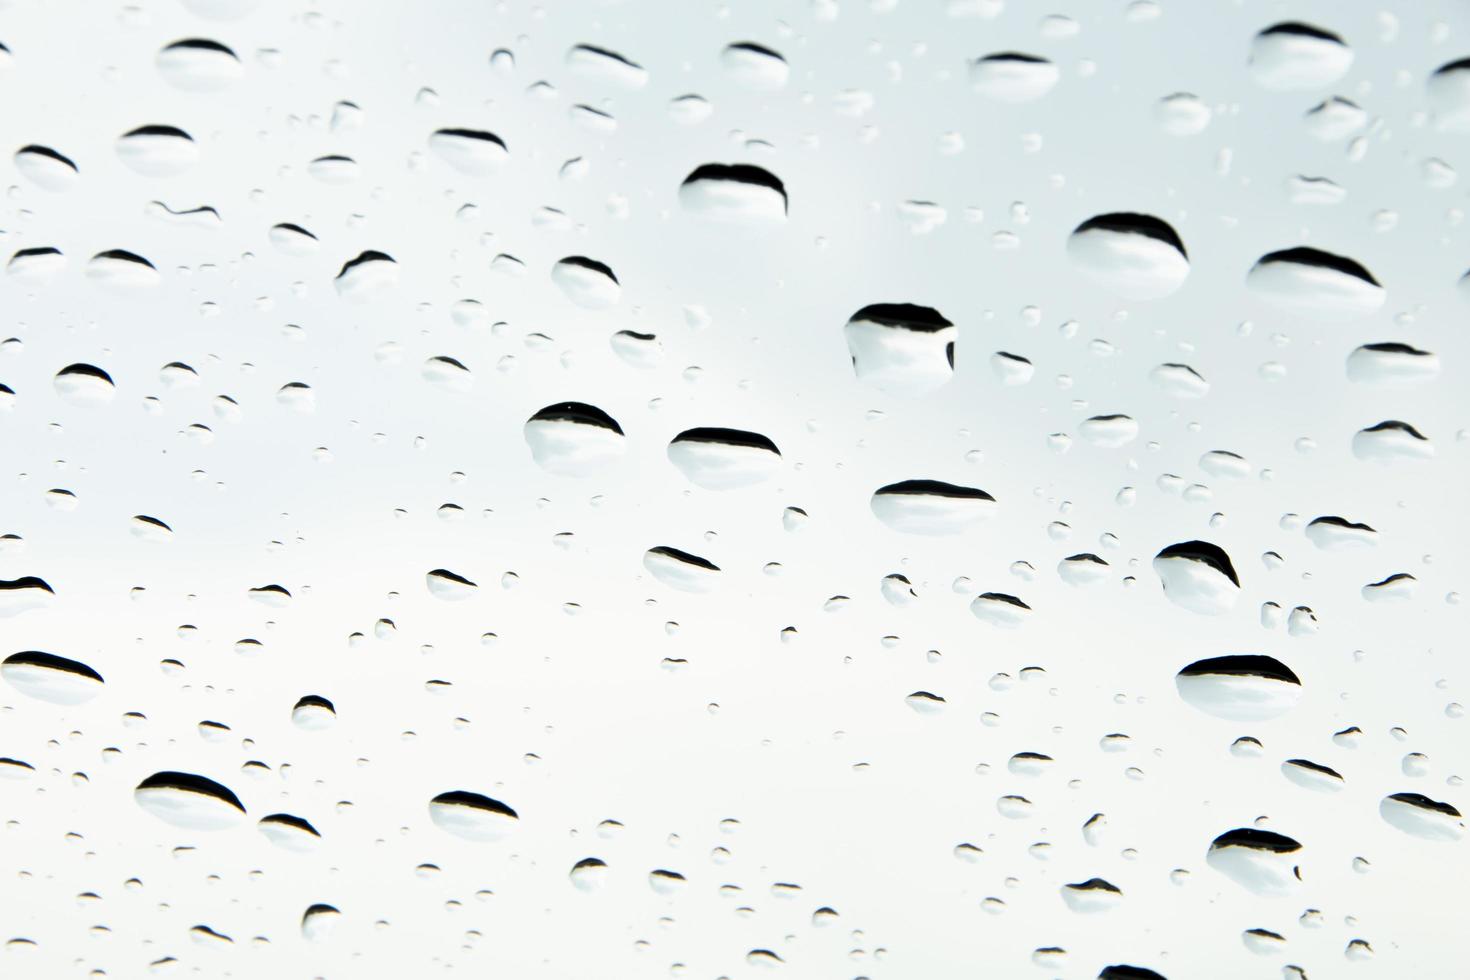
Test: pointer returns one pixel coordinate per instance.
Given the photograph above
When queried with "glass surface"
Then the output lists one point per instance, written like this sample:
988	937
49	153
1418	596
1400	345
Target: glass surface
850	488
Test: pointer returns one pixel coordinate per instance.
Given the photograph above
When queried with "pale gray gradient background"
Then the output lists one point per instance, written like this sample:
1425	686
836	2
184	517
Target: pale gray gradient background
615	735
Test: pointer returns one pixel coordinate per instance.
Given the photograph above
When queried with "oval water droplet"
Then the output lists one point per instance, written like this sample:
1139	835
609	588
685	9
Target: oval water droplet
1419	816
739	193
723	459
602	65
1240	687
199	65
289	832
1135	256
681	570
47	677
755	66
475	152
1010	76
1292	56
931	506
1315	284
587	282
189	801
48	169
158	151
472	816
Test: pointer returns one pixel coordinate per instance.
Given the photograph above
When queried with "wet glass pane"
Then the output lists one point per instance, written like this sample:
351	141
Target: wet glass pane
850	489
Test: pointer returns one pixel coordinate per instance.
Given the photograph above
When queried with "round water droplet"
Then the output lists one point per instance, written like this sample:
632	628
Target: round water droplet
472	816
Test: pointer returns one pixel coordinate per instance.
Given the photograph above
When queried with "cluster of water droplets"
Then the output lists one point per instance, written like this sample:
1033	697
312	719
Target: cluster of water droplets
550	491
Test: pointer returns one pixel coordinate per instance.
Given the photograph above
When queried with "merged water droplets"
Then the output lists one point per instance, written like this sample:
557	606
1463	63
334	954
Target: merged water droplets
901	348
1199	576
1391	441
370	273
1092	895
1397	587
1391	364
1261	861
1332	533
